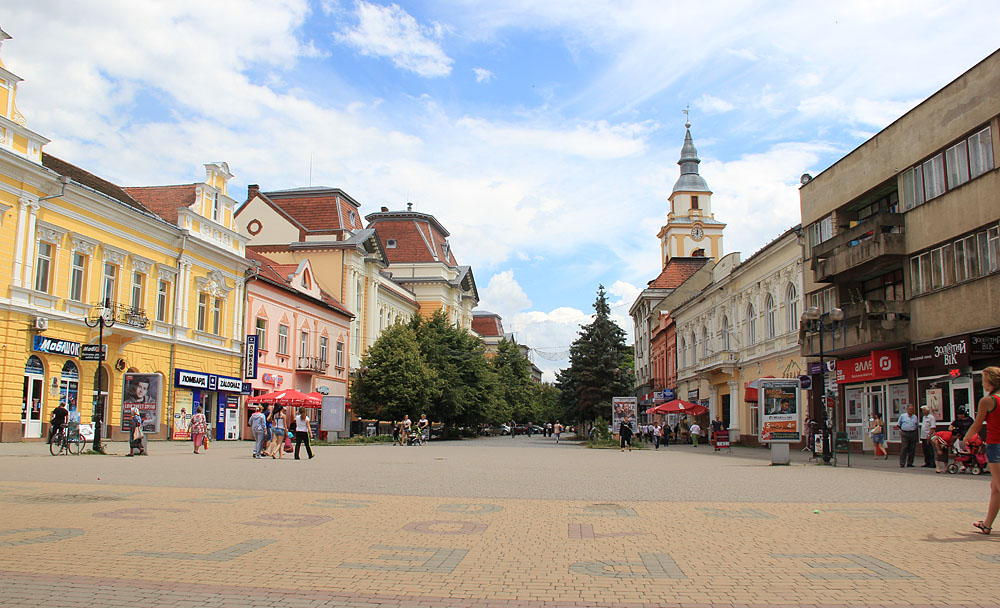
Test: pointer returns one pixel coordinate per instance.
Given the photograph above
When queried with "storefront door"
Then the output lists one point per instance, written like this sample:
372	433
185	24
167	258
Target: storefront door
874	404
31	397
961	396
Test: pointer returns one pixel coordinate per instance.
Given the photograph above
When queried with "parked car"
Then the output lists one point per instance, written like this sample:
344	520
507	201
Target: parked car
502	429
537	429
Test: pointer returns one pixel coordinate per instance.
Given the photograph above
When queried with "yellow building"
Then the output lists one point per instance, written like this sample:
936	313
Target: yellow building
75	249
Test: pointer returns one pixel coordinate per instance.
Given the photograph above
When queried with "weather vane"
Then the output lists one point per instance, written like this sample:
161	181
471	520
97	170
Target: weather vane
687	117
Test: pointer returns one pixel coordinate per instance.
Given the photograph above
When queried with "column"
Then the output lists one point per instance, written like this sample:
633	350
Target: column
22	220
735	399
29	254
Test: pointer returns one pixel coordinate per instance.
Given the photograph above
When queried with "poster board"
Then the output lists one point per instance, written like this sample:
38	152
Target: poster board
143	392
779	400
624	408
333	418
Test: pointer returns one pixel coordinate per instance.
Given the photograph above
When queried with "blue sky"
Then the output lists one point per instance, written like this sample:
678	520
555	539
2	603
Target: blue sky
543	135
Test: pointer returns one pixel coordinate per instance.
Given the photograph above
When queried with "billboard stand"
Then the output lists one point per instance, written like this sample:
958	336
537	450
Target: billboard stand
780	424
779	454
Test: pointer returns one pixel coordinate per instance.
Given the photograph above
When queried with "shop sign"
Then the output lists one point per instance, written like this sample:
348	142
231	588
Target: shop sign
56	347
272	379
250	358
943	354
188	379
247	389
668	394
693	396
93	352
986	344
879	364
229	385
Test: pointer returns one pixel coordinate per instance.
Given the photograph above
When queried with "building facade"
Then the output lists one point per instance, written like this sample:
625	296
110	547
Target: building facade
904	240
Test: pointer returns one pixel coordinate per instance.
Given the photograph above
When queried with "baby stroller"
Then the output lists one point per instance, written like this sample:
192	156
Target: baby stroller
414	438
972	459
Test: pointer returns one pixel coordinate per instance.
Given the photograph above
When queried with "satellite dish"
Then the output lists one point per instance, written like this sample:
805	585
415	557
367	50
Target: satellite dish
805	179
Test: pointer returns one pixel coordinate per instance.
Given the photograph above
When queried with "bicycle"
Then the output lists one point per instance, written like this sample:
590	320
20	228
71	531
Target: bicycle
65	442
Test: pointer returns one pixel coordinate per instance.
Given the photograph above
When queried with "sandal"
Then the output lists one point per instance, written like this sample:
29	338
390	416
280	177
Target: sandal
983	528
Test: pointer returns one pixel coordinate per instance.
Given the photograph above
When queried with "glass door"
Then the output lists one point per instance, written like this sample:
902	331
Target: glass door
31	405
961	397
856	416
874	406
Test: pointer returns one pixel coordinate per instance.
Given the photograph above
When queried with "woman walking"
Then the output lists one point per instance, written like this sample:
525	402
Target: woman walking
302	432
278	425
198	429
878	437
988	411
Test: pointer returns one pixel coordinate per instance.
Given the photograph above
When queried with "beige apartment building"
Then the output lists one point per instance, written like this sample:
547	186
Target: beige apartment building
903	237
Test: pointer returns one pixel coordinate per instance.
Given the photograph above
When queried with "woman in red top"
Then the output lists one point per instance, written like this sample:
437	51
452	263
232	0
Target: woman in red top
989	412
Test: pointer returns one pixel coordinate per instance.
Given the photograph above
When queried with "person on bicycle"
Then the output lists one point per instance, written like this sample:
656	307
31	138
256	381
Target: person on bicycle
425	428
58	421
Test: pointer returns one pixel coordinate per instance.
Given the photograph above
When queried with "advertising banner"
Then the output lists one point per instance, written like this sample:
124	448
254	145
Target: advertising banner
182	424
624	408
779	401
250	358
333	414
144	393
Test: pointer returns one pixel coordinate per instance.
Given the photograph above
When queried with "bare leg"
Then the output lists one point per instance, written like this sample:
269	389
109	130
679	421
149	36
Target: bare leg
991	514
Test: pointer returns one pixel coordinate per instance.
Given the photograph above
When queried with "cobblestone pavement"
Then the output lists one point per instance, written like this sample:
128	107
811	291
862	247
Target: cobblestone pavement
486	523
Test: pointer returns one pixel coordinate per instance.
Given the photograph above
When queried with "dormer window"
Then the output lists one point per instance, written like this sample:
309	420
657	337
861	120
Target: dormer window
215	206
390	244
354	218
306	283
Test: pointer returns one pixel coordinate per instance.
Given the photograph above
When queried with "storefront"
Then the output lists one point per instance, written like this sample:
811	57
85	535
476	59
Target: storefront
218	396
948	372
873	385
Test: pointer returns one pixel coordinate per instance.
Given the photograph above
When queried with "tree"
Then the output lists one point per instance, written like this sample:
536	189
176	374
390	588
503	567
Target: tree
599	368
515	386
394	379
464	387
545	403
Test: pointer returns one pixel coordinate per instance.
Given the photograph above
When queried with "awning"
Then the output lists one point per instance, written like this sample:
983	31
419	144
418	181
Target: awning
678	406
289	398
750	388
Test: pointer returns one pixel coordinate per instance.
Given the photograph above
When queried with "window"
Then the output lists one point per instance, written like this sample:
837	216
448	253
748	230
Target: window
358	306
684	351
261	334
109	291
751	325
324	349
694	202
282	339
821	231
825	300
138	280
202	310
928	270
704	342
303	344
980	153
215	206
725	334
217	316
77	275
43	266
993	249
957	159
913	188
390	244
934	177
162	300
792	307
769	317
340	355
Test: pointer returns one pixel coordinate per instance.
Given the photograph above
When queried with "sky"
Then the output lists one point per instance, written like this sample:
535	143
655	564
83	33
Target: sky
544	136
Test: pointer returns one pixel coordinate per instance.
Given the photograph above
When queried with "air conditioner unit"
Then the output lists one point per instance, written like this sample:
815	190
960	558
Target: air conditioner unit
40	323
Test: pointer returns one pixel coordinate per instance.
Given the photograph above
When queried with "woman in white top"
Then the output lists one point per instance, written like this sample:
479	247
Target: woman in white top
302	432
276	449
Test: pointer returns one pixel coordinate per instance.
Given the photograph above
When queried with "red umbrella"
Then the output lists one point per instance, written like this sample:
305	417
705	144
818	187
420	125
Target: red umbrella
678	406
289	398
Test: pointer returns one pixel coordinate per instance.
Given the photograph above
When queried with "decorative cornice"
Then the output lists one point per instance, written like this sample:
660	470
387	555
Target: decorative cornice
165	273
141	264
51	233
114	255
82	244
214	283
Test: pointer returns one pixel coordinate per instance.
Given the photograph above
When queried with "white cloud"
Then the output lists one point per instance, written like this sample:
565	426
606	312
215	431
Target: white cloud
713	105
391	32
503	295
482	74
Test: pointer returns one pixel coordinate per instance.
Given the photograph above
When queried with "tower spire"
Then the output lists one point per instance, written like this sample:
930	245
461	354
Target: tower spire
690	180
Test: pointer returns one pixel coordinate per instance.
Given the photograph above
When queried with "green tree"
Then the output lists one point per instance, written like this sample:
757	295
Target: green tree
545	403
513	374
464	386
394	379
600	366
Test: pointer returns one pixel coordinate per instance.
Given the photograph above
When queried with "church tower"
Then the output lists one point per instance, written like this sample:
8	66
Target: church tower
691	229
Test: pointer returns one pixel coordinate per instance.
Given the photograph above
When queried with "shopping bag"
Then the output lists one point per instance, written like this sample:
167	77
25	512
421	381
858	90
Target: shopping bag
206	442
288	444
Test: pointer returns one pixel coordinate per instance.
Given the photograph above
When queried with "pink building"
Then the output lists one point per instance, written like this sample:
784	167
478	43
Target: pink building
302	332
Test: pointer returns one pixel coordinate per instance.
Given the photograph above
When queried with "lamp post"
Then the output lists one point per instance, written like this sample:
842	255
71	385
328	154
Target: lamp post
100	316
814	321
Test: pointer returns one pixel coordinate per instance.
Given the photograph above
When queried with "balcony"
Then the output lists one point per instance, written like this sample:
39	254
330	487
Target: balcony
867	250
133	316
313	365
869	325
721	361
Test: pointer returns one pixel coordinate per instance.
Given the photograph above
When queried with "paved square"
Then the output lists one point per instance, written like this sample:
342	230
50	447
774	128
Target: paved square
484	523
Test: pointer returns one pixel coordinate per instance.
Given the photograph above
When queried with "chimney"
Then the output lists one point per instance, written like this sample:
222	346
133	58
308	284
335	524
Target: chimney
385	210
252	191
409	206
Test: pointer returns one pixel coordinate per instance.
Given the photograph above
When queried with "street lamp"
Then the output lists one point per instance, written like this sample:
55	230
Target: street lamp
100	316
813	320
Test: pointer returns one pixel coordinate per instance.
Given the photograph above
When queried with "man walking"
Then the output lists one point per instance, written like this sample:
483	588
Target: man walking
909	428
695	430
557	429
657	433
258	424
928	426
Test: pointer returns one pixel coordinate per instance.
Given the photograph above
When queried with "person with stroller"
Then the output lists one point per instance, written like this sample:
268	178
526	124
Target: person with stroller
988	412
941	443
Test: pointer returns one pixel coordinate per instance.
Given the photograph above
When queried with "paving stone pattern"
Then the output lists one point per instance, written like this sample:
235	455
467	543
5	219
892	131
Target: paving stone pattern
161	543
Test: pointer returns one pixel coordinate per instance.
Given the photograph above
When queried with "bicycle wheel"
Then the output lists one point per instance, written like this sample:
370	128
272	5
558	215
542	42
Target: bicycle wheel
76	446
56	445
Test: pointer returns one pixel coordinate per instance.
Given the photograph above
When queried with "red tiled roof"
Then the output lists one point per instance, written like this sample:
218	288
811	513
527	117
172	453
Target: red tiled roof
164	201
277	274
415	238
676	271
487	325
315	209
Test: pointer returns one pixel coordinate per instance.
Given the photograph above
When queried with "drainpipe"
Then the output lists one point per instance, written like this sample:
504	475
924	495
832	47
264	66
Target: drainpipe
173	342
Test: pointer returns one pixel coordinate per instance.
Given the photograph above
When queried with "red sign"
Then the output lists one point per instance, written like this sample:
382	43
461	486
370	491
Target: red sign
877	365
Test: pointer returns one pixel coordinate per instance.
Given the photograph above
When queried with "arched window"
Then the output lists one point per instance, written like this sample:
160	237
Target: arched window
704	342
69	386
751	325
769	328
792	307
725	334
683	352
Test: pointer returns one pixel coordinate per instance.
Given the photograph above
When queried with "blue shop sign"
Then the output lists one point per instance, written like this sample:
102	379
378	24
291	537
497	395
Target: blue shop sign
44	344
184	378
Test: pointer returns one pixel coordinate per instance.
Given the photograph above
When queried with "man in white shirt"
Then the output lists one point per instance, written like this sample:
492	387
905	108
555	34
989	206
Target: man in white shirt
695	434
657	433
909	429
928	426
